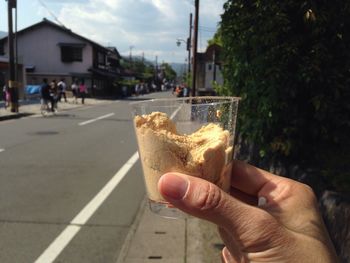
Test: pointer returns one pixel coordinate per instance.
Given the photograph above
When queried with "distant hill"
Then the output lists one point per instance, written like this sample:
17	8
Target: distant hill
179	68
3	34
138	58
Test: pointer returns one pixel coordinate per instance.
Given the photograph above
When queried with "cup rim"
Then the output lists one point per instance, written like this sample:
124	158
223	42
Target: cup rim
218	98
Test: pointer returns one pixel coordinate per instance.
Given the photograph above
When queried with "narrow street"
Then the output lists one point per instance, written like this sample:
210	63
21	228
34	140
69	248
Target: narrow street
53	199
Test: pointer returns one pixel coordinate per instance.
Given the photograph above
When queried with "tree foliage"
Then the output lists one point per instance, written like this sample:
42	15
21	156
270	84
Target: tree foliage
216	38
145	70
169	72
290	63
142	69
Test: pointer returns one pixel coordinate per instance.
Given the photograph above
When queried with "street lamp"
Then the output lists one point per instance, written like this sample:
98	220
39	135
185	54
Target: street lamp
188	44
179	40
188	47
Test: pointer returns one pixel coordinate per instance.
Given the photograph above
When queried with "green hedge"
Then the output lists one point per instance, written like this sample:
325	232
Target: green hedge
290	63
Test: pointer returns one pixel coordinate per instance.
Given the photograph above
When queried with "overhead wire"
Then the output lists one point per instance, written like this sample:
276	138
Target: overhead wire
51	13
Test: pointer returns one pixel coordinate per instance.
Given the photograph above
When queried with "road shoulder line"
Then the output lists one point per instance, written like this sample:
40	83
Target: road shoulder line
63	239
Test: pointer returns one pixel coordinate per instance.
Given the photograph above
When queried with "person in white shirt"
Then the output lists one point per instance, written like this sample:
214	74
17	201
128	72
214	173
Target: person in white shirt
75	91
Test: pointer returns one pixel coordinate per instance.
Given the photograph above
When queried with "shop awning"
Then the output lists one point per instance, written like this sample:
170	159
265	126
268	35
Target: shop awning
72	45
104	73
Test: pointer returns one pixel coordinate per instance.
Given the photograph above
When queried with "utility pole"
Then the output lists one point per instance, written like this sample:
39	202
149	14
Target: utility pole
195	43
156	72
12	83
16	45
214	64
130	55
189	40
157	66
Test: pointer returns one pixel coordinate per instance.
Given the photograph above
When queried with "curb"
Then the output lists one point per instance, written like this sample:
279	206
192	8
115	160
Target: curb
127	242
36	112
15	116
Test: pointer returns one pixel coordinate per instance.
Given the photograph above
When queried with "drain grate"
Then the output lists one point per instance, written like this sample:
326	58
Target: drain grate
160	232
155	257
44	133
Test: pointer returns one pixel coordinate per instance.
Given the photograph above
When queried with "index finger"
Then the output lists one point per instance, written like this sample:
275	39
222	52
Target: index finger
250	179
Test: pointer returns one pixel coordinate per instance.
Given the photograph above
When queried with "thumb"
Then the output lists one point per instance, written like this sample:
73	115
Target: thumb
205	200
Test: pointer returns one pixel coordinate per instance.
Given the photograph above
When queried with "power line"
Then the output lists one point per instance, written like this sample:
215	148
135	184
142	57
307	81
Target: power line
208	31
207	27
51	13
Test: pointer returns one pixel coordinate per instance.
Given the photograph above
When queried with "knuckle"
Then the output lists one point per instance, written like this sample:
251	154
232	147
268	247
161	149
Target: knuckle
209	197
308	193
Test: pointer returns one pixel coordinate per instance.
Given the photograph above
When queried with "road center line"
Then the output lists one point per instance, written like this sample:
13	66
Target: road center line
57	246
96	119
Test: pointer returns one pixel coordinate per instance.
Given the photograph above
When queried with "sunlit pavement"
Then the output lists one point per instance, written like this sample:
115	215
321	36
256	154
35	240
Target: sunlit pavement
56	199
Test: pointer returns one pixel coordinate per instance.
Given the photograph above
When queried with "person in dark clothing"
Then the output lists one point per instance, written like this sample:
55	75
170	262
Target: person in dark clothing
62	86
82	91
46	94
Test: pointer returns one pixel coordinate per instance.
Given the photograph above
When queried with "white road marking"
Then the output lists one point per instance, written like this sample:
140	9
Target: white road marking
2	150
96	119
57	246
175	112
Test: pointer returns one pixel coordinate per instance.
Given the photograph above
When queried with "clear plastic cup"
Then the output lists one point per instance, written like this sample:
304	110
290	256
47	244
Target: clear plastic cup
192	135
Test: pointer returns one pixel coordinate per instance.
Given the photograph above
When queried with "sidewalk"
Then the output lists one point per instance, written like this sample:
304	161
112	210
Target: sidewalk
32	107
156	239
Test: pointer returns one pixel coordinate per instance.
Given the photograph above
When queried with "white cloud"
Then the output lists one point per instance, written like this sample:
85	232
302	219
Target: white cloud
151	26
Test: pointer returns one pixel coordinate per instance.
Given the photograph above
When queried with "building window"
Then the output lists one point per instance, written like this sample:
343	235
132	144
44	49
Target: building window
101	58
71	54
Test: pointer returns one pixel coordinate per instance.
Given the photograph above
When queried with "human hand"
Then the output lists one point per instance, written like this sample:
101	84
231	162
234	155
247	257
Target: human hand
285	227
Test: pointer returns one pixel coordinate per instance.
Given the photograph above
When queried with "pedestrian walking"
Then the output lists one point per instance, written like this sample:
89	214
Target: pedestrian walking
54	92
62	87
137	89
75	91
82	91
186	91
46	95
6	96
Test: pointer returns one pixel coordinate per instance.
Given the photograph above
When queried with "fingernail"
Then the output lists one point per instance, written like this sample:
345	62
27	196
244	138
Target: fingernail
262	201
226	256
173	186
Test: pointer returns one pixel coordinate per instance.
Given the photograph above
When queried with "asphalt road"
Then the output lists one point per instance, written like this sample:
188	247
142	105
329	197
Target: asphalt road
52	168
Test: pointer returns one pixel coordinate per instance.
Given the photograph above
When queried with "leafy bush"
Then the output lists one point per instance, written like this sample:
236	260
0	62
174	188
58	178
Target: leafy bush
290	63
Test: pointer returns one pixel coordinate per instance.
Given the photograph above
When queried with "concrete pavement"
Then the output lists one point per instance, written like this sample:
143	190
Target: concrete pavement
156	239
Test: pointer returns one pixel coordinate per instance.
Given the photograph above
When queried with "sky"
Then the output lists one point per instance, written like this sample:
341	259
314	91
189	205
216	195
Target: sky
149	27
